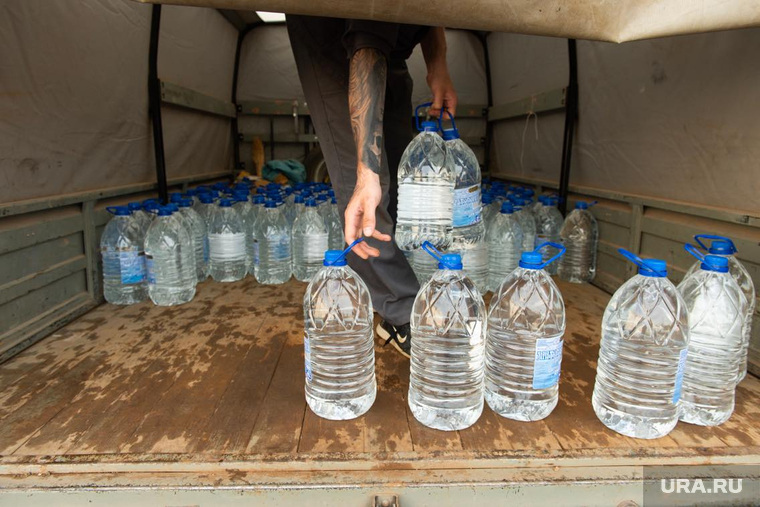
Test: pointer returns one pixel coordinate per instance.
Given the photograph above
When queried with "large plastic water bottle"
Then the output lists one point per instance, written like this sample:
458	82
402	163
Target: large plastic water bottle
716	308
206	207
226	240
425	191
185	224
489	209
645	336
526	325
335	240
170	260
580	235
274	246
724	247
549	222
527	224
339	351
422	264
505	242
448	355
309	242
199	235
255	212
121	248
141	217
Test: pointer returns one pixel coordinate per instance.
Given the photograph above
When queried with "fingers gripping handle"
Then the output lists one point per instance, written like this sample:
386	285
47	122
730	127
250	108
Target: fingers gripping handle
417	116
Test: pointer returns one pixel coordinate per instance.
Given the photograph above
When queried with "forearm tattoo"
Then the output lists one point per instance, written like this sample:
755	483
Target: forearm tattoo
366	101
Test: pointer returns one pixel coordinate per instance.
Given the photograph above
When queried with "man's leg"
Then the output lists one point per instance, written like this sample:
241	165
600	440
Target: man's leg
323	69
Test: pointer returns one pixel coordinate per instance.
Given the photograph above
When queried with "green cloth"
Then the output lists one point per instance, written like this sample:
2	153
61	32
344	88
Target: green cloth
291	169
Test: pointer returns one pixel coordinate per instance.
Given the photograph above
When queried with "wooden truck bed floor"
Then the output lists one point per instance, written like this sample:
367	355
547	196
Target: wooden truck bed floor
211	393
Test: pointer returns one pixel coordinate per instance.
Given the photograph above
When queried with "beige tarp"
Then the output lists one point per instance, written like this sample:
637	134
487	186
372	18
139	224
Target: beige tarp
604	20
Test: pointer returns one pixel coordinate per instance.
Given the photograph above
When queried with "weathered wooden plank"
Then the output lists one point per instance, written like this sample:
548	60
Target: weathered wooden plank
35	281
25	231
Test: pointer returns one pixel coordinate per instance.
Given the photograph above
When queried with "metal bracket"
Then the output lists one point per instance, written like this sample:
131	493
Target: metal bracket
386	501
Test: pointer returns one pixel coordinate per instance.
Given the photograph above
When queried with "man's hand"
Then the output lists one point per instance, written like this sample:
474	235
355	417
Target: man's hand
438	78
360	213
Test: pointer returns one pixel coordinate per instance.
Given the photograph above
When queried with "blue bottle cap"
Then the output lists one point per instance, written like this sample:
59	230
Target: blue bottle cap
299	199
506	208
531	260
119	211
175	196
334	258
715	263
165	211
206	198
225	203
450	134
429	126
450	261
722	247
333	201
311	202
581	205
655	268
173	206
185	203
192	192
486	198
134	206
270	204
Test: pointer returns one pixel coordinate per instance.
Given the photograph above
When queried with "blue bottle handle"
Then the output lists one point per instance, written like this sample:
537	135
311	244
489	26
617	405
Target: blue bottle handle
111	209
558	246
432	250
699	255
451	117
698	238
640	262
417	116
345	252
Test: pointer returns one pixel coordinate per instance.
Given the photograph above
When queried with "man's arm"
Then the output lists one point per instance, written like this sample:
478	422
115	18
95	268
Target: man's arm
366	100
438	79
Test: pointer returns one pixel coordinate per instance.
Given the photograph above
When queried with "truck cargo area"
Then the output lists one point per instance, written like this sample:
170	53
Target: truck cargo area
207	399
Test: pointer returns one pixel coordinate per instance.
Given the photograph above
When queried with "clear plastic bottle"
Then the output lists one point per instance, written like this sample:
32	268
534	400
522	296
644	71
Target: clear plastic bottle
527	225
141	217
309	242
580	235
425	192
526	325
335	239
448	356
206	207
645	336
226	240
185	224
339	350
170	260
724	247
716	308
199	234
255	213
489	209
505	242
121	248
274	246
549	222
423	265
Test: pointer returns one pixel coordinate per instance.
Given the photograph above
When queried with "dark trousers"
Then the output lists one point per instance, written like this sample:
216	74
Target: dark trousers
324	70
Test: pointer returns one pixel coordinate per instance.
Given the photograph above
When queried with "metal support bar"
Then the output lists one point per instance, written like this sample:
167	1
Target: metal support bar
483	38
185	97
90	248
154	104
235	128
571	115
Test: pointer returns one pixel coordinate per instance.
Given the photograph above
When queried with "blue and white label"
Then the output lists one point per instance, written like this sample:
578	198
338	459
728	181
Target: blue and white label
279	246
467	206
547	362
307	358
679	374
132	267
149	268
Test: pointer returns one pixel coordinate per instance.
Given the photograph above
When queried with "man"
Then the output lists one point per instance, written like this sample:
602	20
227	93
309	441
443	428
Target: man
359	93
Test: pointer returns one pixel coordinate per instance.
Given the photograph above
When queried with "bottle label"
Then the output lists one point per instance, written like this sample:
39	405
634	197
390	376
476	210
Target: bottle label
151	273
547	362
226	247
419	202
679	374
307	358
467	206
132	267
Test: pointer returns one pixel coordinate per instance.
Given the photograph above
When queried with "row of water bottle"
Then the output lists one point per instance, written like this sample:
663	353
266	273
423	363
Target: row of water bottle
666	352
162	252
